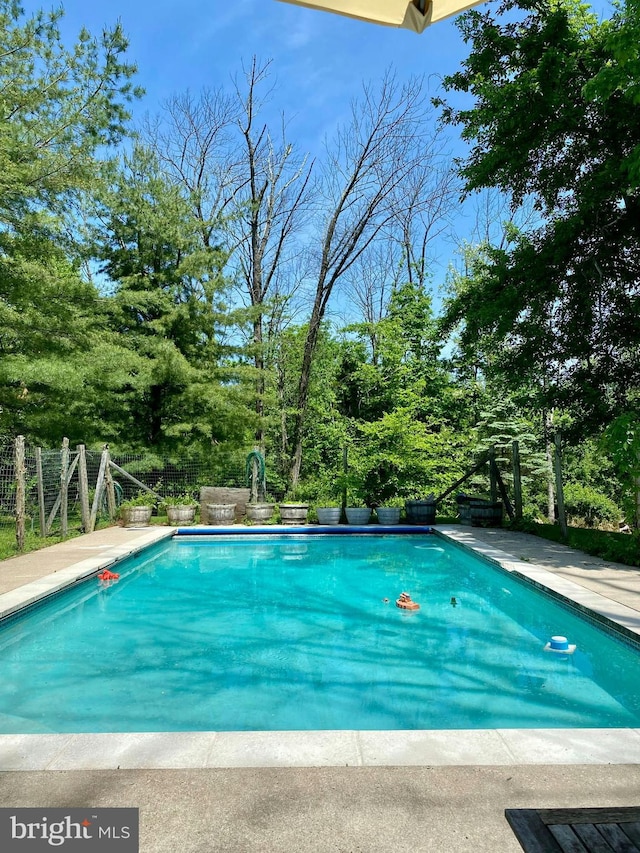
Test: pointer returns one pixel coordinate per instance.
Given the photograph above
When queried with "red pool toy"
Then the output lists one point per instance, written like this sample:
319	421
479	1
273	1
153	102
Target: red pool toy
106	575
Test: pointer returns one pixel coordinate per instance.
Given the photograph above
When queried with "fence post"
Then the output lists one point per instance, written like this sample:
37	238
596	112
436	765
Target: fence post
108	479
493	480
20	472
345	471
40	479
64	487
83	486
517	480
638	496
557	465
99	487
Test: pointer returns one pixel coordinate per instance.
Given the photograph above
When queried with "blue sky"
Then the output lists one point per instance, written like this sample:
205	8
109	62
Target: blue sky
319	60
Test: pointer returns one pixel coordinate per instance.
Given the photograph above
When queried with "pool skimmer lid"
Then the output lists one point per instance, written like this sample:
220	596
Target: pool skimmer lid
560	645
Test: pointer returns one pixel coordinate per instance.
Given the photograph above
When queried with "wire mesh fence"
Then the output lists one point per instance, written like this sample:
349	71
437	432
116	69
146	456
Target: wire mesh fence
52	476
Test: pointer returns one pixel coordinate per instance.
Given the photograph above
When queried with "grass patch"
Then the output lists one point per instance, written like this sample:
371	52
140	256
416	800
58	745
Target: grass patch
617	547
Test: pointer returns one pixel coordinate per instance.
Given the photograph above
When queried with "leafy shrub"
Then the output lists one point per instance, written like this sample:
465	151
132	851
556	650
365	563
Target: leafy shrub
587	503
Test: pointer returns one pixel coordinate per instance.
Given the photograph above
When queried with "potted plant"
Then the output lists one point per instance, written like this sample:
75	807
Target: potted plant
260	512
180	509
328	502
390	512
421	510
329	513
356	510
293	511
136	511
220	513
380	488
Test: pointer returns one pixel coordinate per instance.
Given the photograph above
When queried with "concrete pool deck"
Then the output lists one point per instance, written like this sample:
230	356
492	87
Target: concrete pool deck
330	791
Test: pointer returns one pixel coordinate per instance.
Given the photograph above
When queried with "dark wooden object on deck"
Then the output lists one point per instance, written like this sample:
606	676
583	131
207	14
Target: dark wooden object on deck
598	830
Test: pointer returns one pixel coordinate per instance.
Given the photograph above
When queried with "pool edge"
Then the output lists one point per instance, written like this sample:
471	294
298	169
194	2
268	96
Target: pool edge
186	750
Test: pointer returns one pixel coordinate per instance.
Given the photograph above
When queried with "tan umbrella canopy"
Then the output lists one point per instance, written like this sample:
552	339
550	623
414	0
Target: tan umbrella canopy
413	15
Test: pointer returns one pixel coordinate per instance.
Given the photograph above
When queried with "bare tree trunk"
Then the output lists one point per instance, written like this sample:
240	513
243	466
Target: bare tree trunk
270	207
371	158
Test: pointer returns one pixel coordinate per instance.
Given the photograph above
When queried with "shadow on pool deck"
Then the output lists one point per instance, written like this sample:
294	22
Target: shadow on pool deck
332	809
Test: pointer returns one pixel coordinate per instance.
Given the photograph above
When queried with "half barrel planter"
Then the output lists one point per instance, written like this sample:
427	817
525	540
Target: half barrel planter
180	514
221	513
136	516
485	513
260	512
420	512
294	513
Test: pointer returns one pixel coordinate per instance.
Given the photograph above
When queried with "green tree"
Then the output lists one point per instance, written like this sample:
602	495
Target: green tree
189	383
561	301
60	107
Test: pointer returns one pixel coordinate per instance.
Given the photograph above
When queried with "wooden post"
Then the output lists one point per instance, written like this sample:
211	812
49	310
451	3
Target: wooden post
557	465
493	480
517	480
548	427
108	479
133	479
40	479
345	471
21	492
99	487
64	487
481	464
638	496
253	493
83	486
58	500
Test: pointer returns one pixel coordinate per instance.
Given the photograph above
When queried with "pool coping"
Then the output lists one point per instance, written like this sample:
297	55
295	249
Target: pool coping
444	747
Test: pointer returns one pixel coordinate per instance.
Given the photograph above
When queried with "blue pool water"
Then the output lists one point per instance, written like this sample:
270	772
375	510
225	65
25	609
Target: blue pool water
281	632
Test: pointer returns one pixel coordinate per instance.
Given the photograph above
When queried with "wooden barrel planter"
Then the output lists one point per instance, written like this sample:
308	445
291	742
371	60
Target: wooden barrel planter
294	513
485	513
421	512
259	512
177	515
136	516
221	513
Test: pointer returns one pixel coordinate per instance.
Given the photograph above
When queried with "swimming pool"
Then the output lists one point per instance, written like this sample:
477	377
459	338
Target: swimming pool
285	632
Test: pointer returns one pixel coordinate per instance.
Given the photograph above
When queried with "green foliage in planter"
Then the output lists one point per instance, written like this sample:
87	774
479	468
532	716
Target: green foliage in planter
178	500
140	499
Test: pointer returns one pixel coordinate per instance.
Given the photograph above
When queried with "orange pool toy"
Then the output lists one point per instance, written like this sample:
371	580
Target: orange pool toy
406	603
106	575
